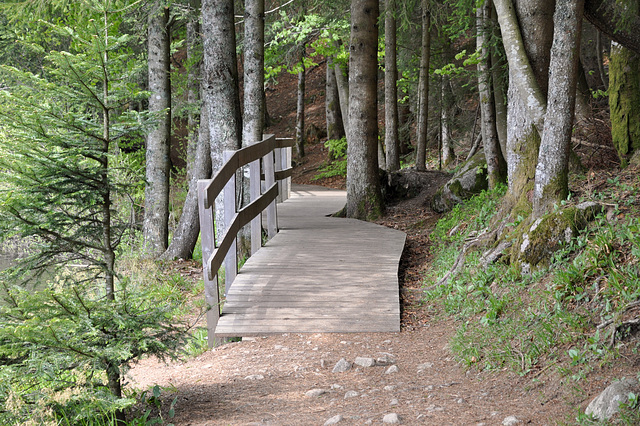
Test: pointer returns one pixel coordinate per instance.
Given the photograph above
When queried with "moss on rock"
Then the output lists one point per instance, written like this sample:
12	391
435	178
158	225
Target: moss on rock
471	179
535	243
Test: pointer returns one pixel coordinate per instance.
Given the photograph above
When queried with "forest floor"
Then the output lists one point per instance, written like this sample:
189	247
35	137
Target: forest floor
267	380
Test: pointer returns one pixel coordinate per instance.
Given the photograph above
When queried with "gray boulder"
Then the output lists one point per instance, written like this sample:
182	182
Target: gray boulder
471	179
608	402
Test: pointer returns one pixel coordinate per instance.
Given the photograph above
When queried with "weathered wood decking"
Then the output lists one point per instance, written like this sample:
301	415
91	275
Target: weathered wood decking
318	274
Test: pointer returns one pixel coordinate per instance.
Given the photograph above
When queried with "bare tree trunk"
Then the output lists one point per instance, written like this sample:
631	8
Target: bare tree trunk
499	83
527	88
186	233
342	82
156	211
221	78
446	145
364	197
253	122
423	89
300	107
391	90
551	183
496	165
335	128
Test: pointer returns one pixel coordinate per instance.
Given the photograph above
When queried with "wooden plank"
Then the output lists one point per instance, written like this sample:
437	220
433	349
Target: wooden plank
318	274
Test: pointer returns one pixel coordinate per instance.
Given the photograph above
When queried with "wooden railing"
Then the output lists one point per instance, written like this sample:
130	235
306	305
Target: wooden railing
275	157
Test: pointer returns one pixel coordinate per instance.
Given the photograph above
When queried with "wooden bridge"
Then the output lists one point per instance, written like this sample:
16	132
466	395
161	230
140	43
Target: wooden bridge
315	274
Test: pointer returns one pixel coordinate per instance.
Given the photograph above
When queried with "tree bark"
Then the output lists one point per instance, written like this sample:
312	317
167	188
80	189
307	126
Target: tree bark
551	182
364	197
186	233
300	107
613	19
253	121
499	79
342	81
446	145
528	55
624	101
156	211
391	90
423	89
220	78
496	165
335	128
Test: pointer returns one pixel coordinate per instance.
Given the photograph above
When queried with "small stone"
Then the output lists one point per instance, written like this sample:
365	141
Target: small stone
392	369
461	401
254	377
314	393
394	401
364	361
336	386
333	420
510	421
385	359
425	366
389	388
391	419
342	366
351	394
323	363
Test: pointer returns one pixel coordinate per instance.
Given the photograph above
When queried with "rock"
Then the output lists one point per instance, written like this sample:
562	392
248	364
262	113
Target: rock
351	394
394	401
336	386
314	393
411	183
510	421
333	420
608	402
389	388
342	366
391	419
254	377
392	369
385	359
471	179
364	361
539	240
425	366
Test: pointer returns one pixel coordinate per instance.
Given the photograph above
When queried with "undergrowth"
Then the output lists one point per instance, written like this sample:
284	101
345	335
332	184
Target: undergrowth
548	319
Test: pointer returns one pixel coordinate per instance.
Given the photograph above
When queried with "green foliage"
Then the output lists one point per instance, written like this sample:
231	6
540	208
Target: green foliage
57	343
70	194
338	165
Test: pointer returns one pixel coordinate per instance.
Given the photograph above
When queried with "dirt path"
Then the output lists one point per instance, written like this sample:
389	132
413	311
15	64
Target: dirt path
266	380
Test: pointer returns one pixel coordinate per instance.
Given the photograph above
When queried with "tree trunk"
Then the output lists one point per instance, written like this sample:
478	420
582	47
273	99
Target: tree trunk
423	89
551	183
220	78
186	233
446	145
300	107
528	56
342	81
499	80
391	90
364	197
624	101
496	165
253	122
335	128
156	211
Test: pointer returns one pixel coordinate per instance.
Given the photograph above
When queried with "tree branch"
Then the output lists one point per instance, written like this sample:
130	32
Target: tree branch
608	17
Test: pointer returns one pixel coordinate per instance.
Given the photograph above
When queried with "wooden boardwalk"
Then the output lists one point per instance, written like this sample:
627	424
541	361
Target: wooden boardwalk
318	274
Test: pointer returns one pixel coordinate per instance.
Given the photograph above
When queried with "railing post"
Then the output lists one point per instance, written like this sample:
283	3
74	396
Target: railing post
254	194
269	179
278	165
207	239
286	164
230	209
